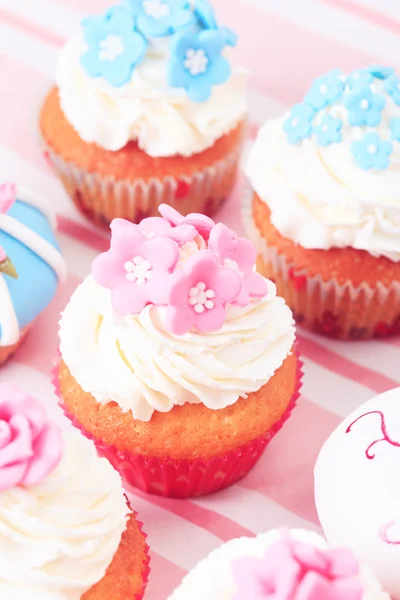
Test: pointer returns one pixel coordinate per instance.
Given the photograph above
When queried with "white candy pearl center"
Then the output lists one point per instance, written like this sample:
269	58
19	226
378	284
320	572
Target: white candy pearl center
156	9
196	61
201	298
111	48
138	270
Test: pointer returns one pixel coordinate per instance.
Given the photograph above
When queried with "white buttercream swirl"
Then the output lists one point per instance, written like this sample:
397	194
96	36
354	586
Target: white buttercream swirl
58	538
213	577
163	120
137	363
319	197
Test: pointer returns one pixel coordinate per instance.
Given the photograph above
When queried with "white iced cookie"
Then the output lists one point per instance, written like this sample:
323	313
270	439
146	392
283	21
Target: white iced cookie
357	487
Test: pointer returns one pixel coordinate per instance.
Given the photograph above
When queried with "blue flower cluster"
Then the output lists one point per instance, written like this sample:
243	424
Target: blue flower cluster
364	108
117	42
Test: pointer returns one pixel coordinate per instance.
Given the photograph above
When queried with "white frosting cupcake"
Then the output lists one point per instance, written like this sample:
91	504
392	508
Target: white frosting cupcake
329	170
282	565
127	77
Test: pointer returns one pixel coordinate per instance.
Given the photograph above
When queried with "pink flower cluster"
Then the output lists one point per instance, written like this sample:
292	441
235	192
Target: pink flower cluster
293	570
30	445
144	266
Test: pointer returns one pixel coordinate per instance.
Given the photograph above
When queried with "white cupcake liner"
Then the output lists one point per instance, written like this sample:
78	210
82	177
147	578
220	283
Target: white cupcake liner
103	198
341	310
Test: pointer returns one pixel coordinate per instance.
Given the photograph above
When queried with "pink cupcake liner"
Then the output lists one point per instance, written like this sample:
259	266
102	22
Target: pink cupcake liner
186	478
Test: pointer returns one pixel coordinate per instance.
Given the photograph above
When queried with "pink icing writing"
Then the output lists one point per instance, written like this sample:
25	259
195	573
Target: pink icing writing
293	570
30	446
384	533
145	266
385	436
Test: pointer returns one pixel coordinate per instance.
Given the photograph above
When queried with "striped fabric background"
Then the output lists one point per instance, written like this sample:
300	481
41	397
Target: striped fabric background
284	44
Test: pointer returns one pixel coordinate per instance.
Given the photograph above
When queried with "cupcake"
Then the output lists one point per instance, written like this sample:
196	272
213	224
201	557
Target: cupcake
147	109
357	491
280	565
325	212
176	356
66	531
29	254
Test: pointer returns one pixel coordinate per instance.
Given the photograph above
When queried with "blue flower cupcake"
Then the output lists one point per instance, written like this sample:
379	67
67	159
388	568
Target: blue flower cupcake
325	215
147	109
29	255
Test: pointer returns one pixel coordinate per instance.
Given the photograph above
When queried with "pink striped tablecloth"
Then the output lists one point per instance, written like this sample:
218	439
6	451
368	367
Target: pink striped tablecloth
284	44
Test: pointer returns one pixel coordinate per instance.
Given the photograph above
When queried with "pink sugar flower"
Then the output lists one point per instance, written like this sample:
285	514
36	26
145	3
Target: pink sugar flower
136	269
154	227
201	223
199	294
3	254
8	193
292	570
30	446
239	254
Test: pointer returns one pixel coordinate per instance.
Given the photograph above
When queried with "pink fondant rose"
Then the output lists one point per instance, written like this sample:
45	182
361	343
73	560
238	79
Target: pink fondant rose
201	223
199	294
30	445
293	570
239	254
8	193
137	269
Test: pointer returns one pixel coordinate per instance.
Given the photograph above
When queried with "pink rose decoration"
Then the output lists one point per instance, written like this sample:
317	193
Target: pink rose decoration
137	269
154	227
3	254
199	294
239	254
30	446
293	570
8	193
201	223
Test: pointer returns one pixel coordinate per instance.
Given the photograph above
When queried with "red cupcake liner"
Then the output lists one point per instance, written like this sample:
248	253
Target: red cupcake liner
146	560
186	478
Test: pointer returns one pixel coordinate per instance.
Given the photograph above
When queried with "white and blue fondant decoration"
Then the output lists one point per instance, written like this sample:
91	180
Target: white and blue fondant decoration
27	237
118	42
361	109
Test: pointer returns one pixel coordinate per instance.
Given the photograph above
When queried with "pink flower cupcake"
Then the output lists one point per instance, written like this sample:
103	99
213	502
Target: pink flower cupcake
280	565
177	357
66	531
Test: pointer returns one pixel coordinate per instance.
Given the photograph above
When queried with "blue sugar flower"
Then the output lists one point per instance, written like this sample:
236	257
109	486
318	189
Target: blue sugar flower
156	18
329	130
365	107
367	75
360	77
392	86
372	152
196	63
299	123
380	72
205	14
395	129
325	90
115	48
